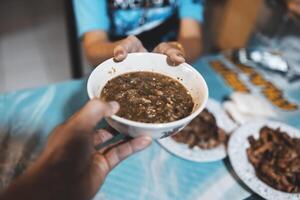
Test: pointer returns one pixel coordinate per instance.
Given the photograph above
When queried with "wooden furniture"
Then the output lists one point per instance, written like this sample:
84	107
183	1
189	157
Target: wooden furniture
231	22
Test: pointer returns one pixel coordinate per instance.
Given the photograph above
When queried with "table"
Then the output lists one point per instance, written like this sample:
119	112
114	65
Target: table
28	116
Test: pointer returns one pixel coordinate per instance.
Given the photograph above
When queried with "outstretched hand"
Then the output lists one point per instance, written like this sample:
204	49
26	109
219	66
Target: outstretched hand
70	167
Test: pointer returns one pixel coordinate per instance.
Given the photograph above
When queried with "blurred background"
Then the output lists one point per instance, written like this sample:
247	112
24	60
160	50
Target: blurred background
36	43
33	43
39	46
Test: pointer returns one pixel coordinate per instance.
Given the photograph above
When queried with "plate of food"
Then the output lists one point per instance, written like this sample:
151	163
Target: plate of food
205	138
266	157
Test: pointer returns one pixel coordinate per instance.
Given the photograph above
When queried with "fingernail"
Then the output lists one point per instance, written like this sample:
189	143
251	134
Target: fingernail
120	55
114	106
181	59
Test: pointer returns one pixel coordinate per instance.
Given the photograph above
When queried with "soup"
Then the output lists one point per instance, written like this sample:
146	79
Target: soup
148	97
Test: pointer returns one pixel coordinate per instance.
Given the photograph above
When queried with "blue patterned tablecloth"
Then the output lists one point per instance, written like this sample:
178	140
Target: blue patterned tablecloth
27	117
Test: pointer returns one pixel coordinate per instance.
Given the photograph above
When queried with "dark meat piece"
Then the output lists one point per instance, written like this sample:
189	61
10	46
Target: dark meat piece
202	132
148	97
276	159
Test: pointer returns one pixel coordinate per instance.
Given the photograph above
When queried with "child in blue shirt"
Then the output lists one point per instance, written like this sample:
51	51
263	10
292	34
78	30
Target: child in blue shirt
116	27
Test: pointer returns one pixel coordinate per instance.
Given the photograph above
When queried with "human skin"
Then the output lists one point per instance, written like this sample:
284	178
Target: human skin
187	48
69	166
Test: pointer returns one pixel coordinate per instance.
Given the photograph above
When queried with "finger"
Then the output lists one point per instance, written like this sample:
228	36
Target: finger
102	164
101	136
178	59
143	49
155	50
125	47
115	141
136	45
175	57
89	116
120	53
129	45
122	151
161	48
100	168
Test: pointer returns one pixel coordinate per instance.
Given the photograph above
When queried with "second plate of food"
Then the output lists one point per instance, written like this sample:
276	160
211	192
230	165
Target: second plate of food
266	157
204	139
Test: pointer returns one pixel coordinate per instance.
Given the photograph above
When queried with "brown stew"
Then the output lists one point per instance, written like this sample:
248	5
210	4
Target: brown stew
276	159
203	132
148	97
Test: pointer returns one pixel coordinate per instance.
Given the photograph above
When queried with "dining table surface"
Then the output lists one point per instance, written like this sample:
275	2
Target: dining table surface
28	116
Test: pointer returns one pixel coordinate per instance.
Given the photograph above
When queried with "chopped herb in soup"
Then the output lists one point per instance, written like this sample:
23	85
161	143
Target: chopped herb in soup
148	97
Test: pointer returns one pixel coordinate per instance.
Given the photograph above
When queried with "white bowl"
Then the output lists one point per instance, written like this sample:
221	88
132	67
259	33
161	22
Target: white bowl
150	62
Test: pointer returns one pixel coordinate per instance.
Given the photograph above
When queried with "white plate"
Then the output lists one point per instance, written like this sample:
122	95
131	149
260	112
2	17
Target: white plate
237	146
202	155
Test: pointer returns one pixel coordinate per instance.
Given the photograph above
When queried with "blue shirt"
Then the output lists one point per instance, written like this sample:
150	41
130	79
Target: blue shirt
132	17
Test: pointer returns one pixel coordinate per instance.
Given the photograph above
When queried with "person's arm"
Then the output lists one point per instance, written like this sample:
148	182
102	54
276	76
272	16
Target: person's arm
98	48
188	46
189	41
190	37
93	24
293	7
70	167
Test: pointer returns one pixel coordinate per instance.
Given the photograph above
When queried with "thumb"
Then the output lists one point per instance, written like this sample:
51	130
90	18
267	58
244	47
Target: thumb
90	115
120	53
102	164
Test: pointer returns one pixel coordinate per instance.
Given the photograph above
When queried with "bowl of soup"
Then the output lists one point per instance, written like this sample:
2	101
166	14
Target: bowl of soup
155	99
